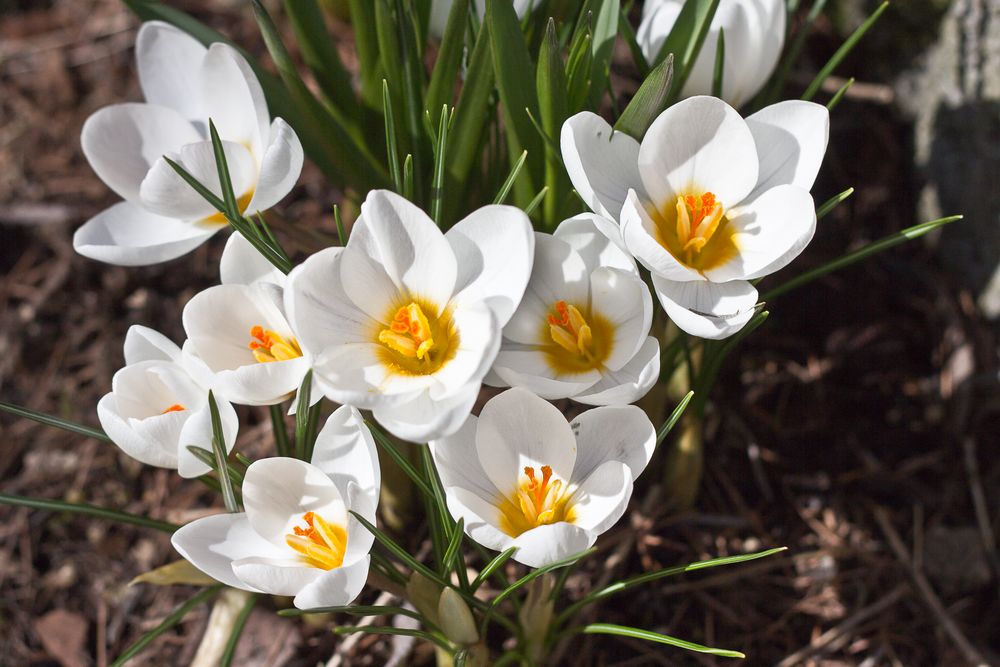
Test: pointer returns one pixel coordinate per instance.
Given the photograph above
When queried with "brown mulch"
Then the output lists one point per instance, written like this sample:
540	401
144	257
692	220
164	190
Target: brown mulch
858	427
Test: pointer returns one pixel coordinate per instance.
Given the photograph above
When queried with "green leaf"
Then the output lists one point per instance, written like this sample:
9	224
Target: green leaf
221	458
842	52
208	458
835	100
712	363
339	222
511	177
686	39
720	64
366	45
674	417
354	610
234	637
603	47
180	572
87	510
169	622
386	443
456	543
440	155
492	567
57	422
550	83
628	34
406	632
534	574
319	51
449	58
884	243
792	53
281	443
511	62
536	200
649	101
647	635
832	203
579	68
222	167
399	552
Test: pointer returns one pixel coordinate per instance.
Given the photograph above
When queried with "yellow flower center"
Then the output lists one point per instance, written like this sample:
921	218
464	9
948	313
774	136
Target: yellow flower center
320	544
580	343
176	407
696	231
242	202
268	345
416	343
535	502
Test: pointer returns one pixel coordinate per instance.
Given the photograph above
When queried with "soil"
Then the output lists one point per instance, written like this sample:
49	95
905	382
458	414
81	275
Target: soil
857	427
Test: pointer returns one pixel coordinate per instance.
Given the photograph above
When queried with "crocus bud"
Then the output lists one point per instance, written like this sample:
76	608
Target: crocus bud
456	619
424	594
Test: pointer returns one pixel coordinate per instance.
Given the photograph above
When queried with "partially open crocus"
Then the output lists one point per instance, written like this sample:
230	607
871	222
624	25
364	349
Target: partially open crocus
441	8
185	85
582	328
754	36
405	320
158	406
297	536
521	476
708	201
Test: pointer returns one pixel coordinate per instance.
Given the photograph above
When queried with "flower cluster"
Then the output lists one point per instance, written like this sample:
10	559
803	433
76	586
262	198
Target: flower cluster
408	321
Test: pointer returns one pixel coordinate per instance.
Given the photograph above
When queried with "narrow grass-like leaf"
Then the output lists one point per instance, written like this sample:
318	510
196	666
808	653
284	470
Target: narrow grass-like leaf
839	95
534	574
440	154
366	46
281	443
405	632
208	458
87	510
56	422
408	177
234	636
578	70
832	203
533	204
391	148
672	420
550	84
720	64
686	39
712	362
455	545
511	177
221	459
338	221
384	441
647	635
884	243
649	101
319	51
302	417
628	34
198	187
399	552
222	167
492	567
170	621
449	57
438	500
354	610
603	46
843	51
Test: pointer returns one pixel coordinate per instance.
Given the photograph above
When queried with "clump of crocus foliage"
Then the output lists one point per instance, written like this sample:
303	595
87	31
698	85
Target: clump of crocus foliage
518	237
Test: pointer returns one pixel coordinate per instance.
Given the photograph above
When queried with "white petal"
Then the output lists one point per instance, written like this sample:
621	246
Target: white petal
601	162
159	452
414	252
355	374
598	240
458	464
478	344
336	587
122	141
618	433
345	451
530	369
278	491
212	544
262	383
518	429
277	576
707	310
165	193
558	274
198	432
145	344
700	144
279	168
480	516
359	538
494	247
769	232
233	98
658	19
791	139
369	287
602	497
242	264
128	235
547	544
624	300
319	310
423	418
169	63
629	383
640	234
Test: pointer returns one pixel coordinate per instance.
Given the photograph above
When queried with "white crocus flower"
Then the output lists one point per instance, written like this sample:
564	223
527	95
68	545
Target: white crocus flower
708	202
242	264
441	8
582	328
185	85
522	476
405	320
297	537
754	36
158	406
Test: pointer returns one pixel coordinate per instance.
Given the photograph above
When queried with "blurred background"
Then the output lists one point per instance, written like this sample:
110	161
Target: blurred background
858	427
